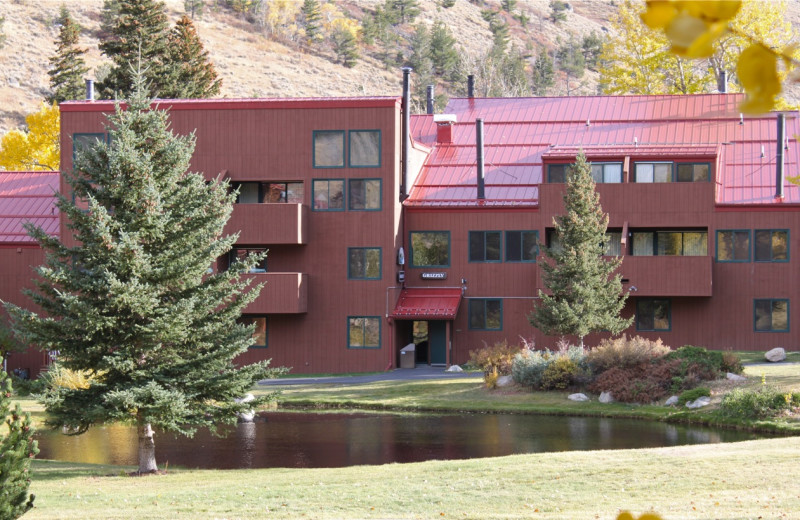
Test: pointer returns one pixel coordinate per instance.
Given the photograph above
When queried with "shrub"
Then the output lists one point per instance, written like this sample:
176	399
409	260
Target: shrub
494	361
731	363
17	448
26	387
643	383
625	352
696	364
694	393
57	376
560	373
528	367
763	403
547	370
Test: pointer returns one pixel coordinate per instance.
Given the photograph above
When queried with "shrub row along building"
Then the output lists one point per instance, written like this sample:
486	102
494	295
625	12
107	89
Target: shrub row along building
385	229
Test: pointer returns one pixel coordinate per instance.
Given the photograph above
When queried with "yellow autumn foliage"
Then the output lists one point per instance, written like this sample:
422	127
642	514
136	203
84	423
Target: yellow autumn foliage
36	148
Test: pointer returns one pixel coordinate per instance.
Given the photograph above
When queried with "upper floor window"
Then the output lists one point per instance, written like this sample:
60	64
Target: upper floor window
484	246
733	245
670	243
653	172
365	148
364	194
772	245
240	254
558	172
485	314
613	243
84	141
607	172
269	192
771	315
692	172
260	330
430	249
364	263
363	332
522	246
328	194
328	148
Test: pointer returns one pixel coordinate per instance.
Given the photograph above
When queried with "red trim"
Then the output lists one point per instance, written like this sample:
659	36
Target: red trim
241	104
773	206
497	209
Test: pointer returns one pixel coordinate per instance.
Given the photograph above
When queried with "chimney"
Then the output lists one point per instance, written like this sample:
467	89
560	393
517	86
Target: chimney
471	86
479	151
430	99
406	133
444	127
779	158
722	85
89	90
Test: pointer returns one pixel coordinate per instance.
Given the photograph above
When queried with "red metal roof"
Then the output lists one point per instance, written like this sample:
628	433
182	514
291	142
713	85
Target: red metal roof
243	104
27	197
522	134
427	304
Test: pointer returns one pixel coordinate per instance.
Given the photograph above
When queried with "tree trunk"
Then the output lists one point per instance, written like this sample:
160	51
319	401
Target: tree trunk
147	448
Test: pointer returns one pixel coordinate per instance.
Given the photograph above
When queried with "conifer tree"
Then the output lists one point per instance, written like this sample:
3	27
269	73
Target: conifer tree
17	448
194	7
543	74
586	296
134	29
443	52
345	46
407	10
311	13
134	301
68	68
190	73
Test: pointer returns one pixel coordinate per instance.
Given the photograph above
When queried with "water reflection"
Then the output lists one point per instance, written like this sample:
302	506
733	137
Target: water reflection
339	440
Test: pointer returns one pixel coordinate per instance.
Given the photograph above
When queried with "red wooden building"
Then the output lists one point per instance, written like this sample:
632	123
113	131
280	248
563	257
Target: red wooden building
376	240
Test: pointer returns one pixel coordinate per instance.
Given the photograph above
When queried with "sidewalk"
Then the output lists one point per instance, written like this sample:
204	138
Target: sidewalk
398	374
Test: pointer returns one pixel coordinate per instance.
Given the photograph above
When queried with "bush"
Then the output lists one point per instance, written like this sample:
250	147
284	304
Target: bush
560	373
17	448
625	352
643	383
694	393
546	370
57	376
26	387
763	403
494	361
696	364
731	363
528	367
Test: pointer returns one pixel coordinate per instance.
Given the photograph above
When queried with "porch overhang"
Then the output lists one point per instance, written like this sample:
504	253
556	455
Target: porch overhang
427	304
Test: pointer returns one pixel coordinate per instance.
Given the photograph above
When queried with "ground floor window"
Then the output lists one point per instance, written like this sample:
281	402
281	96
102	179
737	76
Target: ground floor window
260	331
486	314
653	314
771	315
364	332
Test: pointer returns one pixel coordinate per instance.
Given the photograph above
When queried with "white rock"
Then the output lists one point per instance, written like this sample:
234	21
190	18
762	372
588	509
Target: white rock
504	381
735	377
699	402
775	355
577	397
606	397
454	368
672	401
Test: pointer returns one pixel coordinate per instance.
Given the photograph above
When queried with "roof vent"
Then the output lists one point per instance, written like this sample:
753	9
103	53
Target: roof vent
444	127
89	90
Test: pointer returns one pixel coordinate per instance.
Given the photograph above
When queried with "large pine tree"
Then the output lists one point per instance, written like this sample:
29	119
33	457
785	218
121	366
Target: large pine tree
68	68
313	18
586	294
135	302
17	448
190	74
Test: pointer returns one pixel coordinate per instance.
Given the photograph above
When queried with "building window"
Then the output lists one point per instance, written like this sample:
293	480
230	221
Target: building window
328	148
240	254
260	331
653	172
328	194
485	314
613	243
364	263
772	245
733	245
84	142
771	315
364	195
269	192
484	246
670	243
363	332
430	249
522	246
692	172
557	172
653	314
365	148
606	173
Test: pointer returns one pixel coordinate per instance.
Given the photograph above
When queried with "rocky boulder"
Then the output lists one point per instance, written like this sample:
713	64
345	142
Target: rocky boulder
775	355
577	397
672	401
699	402
606	397
504	381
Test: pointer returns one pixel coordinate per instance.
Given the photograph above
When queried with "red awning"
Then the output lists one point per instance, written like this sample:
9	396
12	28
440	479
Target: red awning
427	304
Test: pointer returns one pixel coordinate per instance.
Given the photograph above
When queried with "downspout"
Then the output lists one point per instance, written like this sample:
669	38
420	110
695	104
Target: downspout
779	158
406	135
479	152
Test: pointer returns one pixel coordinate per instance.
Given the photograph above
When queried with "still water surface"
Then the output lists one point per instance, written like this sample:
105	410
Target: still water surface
313	440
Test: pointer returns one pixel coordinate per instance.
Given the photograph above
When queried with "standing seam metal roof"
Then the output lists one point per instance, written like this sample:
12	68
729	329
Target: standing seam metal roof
27	197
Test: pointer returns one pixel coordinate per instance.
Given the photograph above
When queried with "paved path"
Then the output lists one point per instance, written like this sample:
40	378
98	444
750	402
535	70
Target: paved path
399	374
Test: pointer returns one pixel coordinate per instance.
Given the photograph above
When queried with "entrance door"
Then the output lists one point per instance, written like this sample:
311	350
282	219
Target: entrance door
437	340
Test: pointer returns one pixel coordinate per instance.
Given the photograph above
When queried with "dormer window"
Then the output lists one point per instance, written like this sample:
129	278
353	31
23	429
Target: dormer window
672	172
602	172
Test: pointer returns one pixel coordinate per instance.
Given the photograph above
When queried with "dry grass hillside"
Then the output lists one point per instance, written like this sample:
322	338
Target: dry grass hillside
253	65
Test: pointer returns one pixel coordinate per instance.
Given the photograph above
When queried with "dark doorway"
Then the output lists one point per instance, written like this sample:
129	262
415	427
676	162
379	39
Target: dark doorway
437	340
420	339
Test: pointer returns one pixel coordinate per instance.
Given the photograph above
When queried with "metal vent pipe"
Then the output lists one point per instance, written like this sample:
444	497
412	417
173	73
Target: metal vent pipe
430	99
471	86
479	152
89	90
779	157
406	135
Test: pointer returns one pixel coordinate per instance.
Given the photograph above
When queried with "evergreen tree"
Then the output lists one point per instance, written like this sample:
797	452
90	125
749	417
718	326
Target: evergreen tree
570	58
592	46
345	47
558	11
407	10
586	295
2	32
543	74
500	36
138	29
311	13
17	448
447	4
443	52
194	7
134	301
190	74
508	5
68	68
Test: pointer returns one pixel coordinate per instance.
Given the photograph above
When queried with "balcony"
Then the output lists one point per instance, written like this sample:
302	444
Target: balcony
269	223
667	275
283	293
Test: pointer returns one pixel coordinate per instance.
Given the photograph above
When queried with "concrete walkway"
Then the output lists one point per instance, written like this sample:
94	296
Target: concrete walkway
398	374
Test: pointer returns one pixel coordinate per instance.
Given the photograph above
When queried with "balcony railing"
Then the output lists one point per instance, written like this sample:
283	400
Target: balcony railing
667	275
283	293
269	223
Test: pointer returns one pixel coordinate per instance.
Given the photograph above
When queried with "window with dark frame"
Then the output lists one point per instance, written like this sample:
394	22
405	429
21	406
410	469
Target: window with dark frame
484	246
328	149
771	245
430	248
485	314
669	243
271	192
733	245
260	333
653	314
363	332
692	172
607	173
653	172
328	194
771	315
364	263
240	254
522	246
365	148
364	194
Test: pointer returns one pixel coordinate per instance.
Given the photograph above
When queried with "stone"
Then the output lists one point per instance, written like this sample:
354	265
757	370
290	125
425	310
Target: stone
577	397
504	381
249	415
775	355
672	401
734	377
606	397
699	402
454	368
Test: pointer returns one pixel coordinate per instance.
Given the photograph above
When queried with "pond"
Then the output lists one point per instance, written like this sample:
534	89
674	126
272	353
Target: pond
329	440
